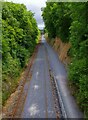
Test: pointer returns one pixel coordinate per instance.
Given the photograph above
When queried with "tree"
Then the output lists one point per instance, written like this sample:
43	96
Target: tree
19	34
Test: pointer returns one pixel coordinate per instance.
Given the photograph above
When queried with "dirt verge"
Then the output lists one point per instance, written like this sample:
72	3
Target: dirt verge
10	108
61	49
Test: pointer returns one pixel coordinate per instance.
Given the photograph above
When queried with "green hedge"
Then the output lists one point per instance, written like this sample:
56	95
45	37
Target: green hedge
69	21
19	35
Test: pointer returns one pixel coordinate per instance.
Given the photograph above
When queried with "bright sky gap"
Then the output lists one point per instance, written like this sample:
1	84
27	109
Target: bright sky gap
35	6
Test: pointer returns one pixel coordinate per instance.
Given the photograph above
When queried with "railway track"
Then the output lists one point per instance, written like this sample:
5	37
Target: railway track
41	95
55	96
48	89
58	103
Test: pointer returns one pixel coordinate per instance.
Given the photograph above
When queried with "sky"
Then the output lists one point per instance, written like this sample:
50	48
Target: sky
35	6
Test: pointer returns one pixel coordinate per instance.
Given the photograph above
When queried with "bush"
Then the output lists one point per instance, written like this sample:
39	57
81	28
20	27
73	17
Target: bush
19	34
69	21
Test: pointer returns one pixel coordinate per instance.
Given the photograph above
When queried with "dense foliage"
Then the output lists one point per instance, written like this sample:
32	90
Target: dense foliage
69	21
19	36
57	20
